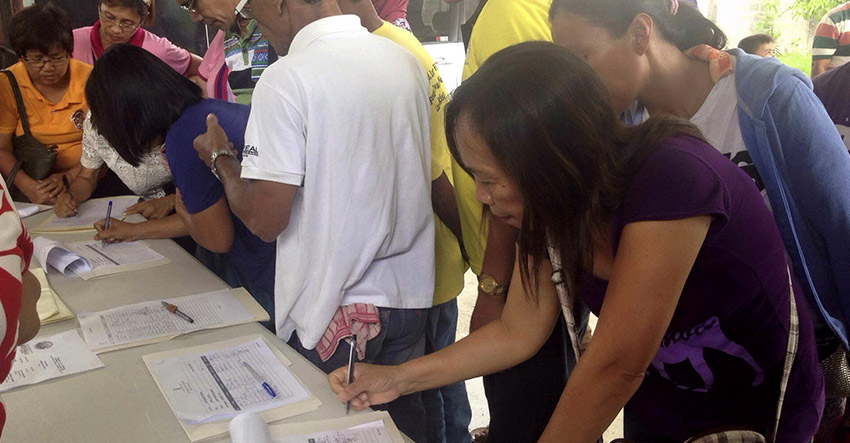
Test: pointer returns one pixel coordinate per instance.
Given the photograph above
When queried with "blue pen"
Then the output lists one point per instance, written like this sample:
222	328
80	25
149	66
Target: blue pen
106	225
260	380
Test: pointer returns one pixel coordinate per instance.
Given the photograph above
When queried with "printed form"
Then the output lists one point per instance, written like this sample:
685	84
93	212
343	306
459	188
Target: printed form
51	357
217	384
147	320
374	432
90	212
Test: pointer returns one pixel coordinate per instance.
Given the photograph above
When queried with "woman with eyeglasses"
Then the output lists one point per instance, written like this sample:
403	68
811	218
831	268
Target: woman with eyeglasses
122	21
52	91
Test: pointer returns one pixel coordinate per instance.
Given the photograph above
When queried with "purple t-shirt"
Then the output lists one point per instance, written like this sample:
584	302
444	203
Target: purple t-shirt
720	362
833	89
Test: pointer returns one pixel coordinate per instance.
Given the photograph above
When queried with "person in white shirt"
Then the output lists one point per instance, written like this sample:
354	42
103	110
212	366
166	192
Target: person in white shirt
336	169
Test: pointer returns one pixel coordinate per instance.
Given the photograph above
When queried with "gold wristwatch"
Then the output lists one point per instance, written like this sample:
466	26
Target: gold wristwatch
489	286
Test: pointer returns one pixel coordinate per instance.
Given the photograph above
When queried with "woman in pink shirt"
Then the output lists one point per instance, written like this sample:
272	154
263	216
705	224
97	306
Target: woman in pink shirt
121	21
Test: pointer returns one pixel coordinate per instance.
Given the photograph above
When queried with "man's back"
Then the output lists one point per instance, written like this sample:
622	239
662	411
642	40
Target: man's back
345	116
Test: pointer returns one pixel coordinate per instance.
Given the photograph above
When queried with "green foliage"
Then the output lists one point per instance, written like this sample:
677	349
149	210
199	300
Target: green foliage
812	9
798	60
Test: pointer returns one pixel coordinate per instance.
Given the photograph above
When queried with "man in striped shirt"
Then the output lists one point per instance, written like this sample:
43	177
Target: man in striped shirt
831	47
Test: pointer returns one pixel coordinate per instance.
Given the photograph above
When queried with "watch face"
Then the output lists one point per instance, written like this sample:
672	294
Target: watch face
488	284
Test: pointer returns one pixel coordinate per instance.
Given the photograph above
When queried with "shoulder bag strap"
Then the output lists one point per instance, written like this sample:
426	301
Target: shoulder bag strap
567	300
22	111
790	354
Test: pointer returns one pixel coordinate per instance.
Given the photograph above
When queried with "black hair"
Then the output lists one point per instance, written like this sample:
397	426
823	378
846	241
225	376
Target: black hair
546	117
144	8
134	98
40	28
686	29
752	43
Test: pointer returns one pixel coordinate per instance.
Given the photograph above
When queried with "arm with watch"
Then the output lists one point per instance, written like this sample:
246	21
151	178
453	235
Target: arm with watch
495	276
263	206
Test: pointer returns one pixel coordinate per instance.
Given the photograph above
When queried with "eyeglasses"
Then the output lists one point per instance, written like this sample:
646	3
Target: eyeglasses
125	25
190	6
243	10
39	62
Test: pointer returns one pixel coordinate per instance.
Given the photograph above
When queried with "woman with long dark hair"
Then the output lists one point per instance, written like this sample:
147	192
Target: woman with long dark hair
666	241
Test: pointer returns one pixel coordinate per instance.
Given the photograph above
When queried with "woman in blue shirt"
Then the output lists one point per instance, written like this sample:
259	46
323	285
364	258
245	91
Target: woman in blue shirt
142	102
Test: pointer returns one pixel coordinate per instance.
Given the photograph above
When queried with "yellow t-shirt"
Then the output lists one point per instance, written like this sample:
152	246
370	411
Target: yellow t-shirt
502	23
58	124
449	265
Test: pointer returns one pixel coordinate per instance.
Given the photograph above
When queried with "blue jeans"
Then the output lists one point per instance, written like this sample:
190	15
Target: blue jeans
402	338
447	412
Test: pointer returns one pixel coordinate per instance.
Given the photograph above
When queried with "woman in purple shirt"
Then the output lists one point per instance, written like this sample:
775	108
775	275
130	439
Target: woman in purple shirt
661	236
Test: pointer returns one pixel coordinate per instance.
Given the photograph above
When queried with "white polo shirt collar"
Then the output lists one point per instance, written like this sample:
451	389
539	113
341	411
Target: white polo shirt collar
325	26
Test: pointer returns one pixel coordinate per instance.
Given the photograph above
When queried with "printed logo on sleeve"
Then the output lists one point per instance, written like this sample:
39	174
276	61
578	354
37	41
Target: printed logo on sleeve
250	150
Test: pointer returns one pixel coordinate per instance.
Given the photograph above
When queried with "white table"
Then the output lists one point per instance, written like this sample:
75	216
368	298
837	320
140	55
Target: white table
121	402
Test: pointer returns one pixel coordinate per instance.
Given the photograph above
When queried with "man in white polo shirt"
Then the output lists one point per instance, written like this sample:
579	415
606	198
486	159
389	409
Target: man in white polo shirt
336	169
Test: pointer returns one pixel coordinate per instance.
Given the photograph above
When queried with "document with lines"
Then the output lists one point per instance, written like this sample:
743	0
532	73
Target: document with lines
150	321
90	259
216	384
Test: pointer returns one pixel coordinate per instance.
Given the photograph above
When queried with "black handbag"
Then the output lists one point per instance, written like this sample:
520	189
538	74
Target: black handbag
33	157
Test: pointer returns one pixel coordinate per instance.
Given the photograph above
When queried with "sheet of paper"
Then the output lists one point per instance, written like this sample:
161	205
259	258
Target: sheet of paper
143	321
51	308
114	258
51	357
89	212
376	426
53	253
374	432
28	209
217	385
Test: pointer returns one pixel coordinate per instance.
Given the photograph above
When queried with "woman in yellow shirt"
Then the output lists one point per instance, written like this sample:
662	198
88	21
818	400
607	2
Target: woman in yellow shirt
52	88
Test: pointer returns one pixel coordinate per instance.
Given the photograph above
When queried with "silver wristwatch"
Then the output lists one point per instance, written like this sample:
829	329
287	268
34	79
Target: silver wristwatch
214	157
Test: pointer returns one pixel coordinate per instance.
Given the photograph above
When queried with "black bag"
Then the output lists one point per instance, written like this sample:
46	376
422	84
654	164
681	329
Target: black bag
33	157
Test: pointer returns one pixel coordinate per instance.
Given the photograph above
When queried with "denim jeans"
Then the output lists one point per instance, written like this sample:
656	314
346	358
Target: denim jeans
402	338
447	412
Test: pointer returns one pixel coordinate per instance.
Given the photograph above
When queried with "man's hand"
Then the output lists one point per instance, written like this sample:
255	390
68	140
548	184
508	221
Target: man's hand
153	209
65	206
487	308
214	140
118	231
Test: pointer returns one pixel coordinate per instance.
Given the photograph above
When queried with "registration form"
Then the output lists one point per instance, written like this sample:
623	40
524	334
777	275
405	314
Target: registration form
217	384
147	320
51	357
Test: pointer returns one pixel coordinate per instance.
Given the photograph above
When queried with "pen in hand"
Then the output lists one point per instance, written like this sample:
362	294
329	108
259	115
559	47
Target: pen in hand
260	380
176	311
68	190
106	225
349	376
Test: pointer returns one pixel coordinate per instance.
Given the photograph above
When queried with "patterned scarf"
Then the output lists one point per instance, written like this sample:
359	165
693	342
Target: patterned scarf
720	63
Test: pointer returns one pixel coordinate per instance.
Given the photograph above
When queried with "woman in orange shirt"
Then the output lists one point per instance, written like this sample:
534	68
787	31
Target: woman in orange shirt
52	88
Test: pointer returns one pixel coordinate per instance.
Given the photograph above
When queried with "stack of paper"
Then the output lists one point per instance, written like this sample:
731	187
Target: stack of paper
89	213
207	385
150	322
48	358
51	308
90	259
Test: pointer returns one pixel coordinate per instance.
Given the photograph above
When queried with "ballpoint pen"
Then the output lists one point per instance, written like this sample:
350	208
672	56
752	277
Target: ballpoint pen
106	225
349	376
260	380
176	311
68	190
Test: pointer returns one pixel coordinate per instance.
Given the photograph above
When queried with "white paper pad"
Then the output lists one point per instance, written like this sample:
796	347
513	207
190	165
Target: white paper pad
368	427
90	259
48	358
215	385
89	212
138	323
51	308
